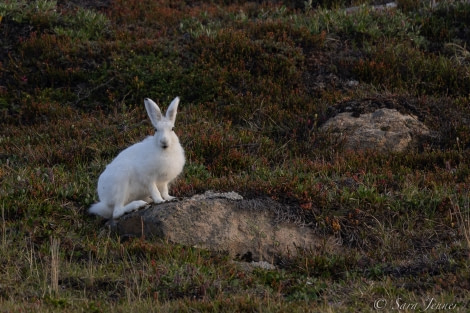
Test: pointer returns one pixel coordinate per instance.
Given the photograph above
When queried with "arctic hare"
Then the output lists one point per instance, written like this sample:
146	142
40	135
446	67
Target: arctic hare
144	169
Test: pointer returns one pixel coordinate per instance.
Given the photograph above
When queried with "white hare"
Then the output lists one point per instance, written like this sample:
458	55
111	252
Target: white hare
144	169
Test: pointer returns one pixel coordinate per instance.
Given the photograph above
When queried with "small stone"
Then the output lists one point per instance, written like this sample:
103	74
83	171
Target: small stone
264	265
352	83
220	195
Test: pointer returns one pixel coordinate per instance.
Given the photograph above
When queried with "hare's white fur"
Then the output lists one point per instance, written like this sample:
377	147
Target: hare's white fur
143	170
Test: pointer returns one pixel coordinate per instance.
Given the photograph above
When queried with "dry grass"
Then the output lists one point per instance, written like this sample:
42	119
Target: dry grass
55	265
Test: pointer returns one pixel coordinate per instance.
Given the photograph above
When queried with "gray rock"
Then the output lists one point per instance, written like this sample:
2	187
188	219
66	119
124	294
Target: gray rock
383	130
251	230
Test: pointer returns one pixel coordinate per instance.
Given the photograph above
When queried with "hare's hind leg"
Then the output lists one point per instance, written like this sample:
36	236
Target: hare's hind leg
132	206
101	209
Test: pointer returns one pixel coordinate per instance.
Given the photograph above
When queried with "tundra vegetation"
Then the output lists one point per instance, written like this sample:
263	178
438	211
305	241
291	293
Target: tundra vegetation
256	81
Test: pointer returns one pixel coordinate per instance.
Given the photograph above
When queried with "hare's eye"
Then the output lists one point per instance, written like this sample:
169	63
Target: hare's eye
172	129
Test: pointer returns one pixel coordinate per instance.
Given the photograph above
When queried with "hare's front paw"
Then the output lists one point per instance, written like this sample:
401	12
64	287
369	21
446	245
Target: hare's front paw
168	198
158	200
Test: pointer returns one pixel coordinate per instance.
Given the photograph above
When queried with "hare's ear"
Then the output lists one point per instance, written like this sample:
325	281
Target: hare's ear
172	109
153	111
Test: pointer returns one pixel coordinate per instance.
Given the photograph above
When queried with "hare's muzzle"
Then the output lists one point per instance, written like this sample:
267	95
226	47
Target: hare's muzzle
164	143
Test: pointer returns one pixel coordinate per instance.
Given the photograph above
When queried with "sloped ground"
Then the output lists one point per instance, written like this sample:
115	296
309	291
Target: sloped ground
257	80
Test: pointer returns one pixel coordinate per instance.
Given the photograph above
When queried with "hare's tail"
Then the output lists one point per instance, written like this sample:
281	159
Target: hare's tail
101	209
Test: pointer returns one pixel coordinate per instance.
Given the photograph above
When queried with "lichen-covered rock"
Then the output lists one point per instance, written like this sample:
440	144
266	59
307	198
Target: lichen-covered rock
383	130
252	230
